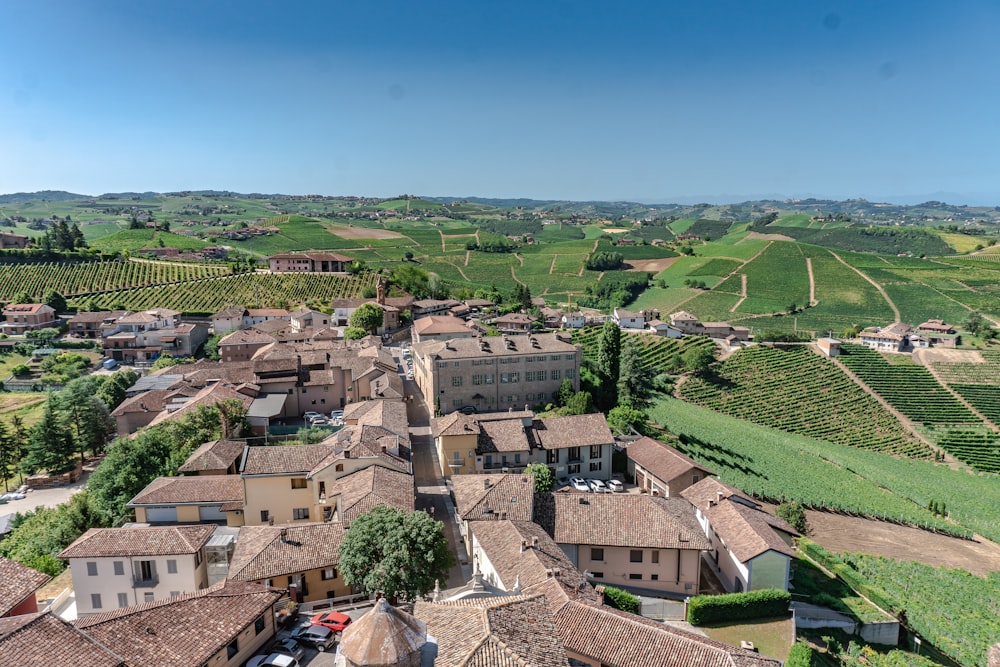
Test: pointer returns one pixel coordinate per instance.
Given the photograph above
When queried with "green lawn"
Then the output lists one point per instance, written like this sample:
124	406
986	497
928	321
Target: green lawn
771	637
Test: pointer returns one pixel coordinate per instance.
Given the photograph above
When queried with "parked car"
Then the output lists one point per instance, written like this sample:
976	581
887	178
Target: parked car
337	414
290	647
319	421
13	495
598	486
317	636
468	410
311	415
615	486
332	619
273	660
562	481
580	484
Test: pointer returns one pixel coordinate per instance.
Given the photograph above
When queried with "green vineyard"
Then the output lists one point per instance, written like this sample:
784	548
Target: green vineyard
657	352
798	391
979	449
909	388
71	279
209	295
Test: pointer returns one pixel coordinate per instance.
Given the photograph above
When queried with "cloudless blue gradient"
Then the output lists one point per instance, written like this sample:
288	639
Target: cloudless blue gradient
649	101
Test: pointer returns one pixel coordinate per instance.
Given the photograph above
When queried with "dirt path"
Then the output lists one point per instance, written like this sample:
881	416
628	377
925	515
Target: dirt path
743	293
845	533
812	282
594	249
467	253
459	269
874	284
552	266
514	276
443	249
520	260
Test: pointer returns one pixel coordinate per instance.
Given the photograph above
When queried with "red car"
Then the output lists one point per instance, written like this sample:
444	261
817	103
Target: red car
331	619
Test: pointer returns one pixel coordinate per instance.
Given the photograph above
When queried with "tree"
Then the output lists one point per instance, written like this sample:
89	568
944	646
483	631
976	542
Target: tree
565	393
211	347
635	380
86	415
401	554
794	514
411	279
50	444
368	317
113	390
55	301
624	419
7	454
354	333
544	479
698	359
609	348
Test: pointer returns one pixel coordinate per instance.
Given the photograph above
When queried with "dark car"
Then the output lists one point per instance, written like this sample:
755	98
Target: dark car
317	636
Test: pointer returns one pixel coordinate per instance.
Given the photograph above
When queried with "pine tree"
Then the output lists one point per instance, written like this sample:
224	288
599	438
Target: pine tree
635	381
50	444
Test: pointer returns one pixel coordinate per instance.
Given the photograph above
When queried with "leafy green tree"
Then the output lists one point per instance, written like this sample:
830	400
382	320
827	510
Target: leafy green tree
86	415
50	444
411	279
354	333
582	403
55	301
565	393
401	554
113	390
22	297
38	536
794	514
544	479
698	359
609	349
520	297
166	361
624	418
635	380
368	317
211	347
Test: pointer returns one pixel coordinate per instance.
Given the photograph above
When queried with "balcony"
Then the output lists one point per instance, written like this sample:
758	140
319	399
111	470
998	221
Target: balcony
456	463
151	582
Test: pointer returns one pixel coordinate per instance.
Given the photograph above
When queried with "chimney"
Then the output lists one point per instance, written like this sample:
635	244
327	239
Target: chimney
534	542
486	484
284	535
718	496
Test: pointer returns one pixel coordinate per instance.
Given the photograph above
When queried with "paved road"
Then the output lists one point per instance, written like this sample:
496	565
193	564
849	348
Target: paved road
432	492
43	497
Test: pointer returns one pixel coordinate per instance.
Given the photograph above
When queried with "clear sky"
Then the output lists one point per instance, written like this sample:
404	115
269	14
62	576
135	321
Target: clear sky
649	101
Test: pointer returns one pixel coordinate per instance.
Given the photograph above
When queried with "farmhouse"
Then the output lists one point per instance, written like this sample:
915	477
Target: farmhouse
662	470
514	322
312	262
937	333
626	319
9	240
687	323
893	338
829	346
23	317
95	325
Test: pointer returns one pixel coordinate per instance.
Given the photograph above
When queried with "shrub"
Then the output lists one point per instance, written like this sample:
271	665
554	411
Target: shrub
619	599
799	656
737	606
793	513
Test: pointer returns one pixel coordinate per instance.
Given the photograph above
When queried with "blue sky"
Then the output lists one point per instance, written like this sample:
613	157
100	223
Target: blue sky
649	101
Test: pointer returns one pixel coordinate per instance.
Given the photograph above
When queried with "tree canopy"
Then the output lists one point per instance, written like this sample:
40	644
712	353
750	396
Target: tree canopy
401	554
544	479
368	317
635	380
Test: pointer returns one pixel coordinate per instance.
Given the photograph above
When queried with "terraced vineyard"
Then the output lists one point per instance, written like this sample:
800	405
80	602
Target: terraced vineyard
980	449
798	391
656	351
258	289
70	279
978	383
909	388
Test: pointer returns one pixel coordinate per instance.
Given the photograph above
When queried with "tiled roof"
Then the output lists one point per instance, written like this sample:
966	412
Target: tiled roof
246	337
229	313
385	635
711	489
36	640
488	497
268	312
198	489
508	631
456	423
184	630
210	395
506	435
748	532
261	553
284	459
26	307
18	582
573	431
139	541
683	316
438	324
389	413
469	348
370	487
622	520
613	637
213	455
661	460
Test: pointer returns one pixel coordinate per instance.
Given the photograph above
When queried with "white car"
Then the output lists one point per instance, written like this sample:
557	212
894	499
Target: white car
337	414
273	660
310	416
580	484
598	486
615	486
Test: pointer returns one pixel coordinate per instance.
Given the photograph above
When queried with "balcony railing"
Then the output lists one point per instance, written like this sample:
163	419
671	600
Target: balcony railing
145	583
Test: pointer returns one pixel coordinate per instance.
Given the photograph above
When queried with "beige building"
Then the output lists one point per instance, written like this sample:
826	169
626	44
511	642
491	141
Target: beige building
197	499
494	373
120	567
312	262
481	498
221	626
627	540
456	438
439	327
23	317
662	470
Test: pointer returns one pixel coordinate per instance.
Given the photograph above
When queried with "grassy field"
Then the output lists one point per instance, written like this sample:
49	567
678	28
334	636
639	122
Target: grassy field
771	637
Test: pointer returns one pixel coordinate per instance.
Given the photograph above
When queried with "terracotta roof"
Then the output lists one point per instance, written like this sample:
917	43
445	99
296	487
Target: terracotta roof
370	487
139	541
507	631
469	348
229	313
284	459
456	423
385	635
617	638
389	413
25	307
683	316
261	553
709	489
622	520
35	640
662	460
210	395
19	581
487	497
573	431
184	630
188	490
213	455
268	312
246	337
514	318
437	324
507	435
749	532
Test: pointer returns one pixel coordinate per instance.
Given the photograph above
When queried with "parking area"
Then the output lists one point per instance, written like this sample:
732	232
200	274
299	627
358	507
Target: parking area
43	497
310	655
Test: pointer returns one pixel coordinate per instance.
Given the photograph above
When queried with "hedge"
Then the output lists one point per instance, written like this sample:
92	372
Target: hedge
737	606
844	572
800	655
619	599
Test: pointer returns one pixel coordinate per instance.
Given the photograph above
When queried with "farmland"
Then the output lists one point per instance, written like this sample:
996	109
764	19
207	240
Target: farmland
657	352
767	385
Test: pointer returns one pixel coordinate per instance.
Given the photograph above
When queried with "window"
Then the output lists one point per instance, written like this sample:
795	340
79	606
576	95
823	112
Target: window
574	468
596	554
119	568
595	451
457	402
477	379
329	573
91	569
517	458
540	376
695	478
595	465
635	555
574	453
654	577
197	558
570	373
300	513
457	364
456	381
488	378
233	648
171	566
265	516
655	556
175	594
510	378
555	374
552	456
298	483
635	577
597	575
122	600
147	596
259	625
145	570
529	376
95	600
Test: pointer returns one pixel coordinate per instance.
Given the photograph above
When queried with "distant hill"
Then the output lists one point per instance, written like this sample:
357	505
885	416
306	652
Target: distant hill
43	195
